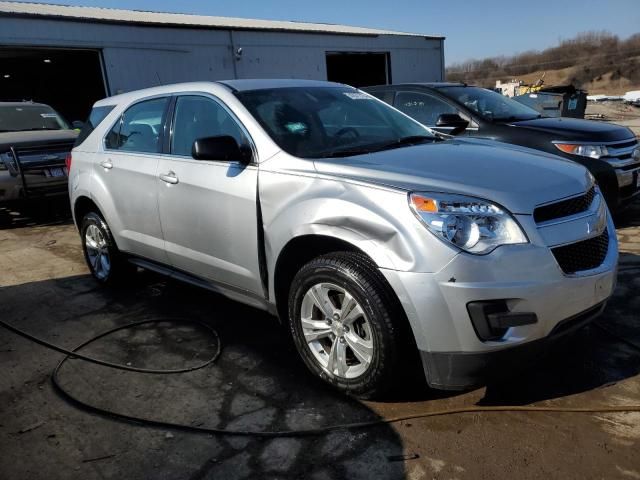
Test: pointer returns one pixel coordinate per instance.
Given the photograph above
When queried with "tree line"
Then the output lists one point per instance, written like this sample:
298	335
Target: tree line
591	53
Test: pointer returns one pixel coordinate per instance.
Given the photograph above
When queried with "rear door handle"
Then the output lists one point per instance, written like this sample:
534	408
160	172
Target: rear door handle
106	164
169	177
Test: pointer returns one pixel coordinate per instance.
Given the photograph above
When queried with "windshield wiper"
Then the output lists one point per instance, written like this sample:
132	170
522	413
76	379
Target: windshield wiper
36	128
363	149
347	152
514	118
407	141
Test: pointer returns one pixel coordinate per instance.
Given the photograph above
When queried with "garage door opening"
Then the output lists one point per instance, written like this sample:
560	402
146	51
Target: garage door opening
68	80
359	69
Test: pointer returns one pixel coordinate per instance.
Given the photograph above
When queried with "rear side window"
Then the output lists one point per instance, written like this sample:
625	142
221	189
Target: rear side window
97	115
139	128
384	95
422	107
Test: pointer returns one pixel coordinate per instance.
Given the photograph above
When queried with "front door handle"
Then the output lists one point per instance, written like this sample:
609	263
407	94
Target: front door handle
106	164
169	177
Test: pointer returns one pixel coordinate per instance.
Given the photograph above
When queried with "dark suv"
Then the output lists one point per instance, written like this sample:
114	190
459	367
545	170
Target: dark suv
34	143
609	151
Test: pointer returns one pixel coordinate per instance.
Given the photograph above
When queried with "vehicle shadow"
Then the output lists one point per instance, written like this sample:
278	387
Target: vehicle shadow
31	213
257	384
603	353
629	217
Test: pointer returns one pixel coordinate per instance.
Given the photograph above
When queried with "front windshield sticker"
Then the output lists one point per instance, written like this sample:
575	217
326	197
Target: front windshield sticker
297	127
48	115
358	96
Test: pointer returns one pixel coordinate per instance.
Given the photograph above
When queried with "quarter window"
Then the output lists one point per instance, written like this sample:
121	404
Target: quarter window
140	128
199	117
422	107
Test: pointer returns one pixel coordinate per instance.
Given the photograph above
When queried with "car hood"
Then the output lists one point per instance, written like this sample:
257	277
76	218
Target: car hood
517	178
36	137
574	129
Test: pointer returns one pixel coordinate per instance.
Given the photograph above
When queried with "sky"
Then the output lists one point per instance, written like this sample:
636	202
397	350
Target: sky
474	28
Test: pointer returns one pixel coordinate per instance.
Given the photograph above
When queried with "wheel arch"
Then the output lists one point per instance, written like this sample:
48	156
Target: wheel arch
81	207
298	251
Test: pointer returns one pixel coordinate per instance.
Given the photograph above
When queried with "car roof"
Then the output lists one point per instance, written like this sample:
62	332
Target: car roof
244	85
234	85
424	84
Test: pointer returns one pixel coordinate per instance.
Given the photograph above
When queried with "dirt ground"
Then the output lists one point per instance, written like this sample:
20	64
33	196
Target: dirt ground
259	383
615	112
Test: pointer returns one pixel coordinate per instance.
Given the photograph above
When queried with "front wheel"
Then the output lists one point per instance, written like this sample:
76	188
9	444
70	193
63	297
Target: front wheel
341	313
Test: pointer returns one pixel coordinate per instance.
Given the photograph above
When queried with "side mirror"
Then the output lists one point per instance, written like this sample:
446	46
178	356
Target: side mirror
455	122
77	124
224	148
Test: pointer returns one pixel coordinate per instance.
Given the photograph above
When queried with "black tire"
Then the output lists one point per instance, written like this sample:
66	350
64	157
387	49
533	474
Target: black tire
360	277
119	268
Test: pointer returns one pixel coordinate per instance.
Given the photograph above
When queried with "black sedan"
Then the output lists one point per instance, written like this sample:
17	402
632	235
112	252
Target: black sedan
609	151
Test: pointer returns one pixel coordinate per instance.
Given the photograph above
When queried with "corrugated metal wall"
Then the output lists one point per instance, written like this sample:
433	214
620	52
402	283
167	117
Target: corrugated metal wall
141	56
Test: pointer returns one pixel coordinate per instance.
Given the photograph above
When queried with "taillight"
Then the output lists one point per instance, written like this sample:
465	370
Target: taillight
67	161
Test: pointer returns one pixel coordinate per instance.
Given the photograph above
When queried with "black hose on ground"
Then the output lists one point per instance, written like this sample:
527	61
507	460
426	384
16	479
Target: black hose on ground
73	354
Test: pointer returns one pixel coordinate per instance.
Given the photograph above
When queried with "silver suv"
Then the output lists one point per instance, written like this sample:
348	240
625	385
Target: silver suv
376	242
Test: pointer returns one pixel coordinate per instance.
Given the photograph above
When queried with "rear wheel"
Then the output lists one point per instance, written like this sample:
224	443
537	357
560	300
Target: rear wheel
104	260
341	313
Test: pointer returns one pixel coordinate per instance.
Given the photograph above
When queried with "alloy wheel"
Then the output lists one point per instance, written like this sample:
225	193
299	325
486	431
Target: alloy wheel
336	330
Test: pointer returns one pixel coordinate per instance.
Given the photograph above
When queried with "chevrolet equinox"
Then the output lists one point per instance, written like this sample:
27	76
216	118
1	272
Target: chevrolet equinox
374	241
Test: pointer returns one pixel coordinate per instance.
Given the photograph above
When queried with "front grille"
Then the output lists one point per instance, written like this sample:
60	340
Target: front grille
40	156
583	255
622	152
564	208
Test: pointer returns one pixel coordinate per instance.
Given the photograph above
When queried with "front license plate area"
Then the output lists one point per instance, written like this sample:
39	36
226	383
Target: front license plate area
55	172
603	288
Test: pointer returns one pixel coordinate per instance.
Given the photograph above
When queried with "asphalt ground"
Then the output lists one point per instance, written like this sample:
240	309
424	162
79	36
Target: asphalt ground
259	383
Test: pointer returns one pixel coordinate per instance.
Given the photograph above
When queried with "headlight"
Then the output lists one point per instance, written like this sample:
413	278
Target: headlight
591	151
471	224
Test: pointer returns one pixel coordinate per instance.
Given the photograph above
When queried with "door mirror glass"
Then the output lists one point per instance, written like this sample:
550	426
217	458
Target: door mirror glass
453	121
77	124
223	148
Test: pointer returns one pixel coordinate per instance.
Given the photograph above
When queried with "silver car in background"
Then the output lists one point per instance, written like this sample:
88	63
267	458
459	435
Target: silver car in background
374	241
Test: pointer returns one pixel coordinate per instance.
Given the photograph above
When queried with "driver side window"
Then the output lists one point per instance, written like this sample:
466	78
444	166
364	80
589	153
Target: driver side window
199	117
422	107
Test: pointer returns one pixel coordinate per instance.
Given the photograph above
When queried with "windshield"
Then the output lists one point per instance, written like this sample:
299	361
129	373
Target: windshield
490	105
17	118
321	122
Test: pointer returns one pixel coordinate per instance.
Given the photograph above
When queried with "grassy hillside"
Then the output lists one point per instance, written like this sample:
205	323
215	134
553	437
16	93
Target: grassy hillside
596	61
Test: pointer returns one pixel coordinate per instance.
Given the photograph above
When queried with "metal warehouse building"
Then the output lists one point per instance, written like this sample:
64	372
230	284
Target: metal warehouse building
71	56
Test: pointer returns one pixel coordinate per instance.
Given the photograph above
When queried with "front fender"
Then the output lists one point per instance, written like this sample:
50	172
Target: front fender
376	220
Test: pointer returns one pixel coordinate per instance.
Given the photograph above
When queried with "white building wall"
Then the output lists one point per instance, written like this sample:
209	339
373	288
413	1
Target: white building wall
141	56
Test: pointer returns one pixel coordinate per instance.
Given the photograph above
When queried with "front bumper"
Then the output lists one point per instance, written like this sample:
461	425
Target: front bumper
12	187
465	370
526	277
628	184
